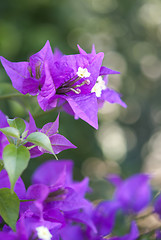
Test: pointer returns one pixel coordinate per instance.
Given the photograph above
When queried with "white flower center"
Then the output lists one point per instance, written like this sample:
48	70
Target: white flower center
99	86
83	73
43	233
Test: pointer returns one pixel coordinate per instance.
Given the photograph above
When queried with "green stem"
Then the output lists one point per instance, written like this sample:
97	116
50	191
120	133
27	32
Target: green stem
157	194
13	95
31	147
55	156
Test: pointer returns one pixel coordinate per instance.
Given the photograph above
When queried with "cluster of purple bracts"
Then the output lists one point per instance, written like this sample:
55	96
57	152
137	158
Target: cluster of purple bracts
73	82
54	207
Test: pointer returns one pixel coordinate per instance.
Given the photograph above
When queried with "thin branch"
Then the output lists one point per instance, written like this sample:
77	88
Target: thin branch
14	95
10	96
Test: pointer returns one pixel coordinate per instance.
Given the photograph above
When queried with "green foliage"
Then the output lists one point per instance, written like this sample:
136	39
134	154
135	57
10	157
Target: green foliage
16	160
17	123
10	131
16	156
9	207
24	134
40	139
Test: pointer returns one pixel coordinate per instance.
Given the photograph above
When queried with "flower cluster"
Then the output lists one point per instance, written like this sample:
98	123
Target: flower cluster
55	207
72	81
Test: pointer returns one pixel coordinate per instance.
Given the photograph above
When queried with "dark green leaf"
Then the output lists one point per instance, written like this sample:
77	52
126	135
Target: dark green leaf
9	207
40	139
15	161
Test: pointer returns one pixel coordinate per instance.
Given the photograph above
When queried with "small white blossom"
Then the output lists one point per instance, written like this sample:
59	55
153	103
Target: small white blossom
43	233
83	73
99	86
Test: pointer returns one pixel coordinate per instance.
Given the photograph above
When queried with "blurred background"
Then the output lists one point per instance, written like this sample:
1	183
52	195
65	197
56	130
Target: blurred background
129	33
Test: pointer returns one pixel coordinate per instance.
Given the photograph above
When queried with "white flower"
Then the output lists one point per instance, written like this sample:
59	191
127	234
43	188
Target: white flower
43	233
99	86
83	73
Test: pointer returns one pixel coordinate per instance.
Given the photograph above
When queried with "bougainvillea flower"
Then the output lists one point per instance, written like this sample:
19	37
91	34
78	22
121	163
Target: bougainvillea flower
57	197
134	193
59	78
71	79
58	142
57	176
28	77
62	199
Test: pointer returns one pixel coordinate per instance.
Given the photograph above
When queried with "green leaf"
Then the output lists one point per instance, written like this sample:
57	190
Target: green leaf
10	139
11	122
10	131
15	161
24	134
17	123
40	139
9	207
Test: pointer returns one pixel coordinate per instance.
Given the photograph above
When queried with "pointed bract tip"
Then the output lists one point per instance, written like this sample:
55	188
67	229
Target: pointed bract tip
81	51
46	45
47	42
93	49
